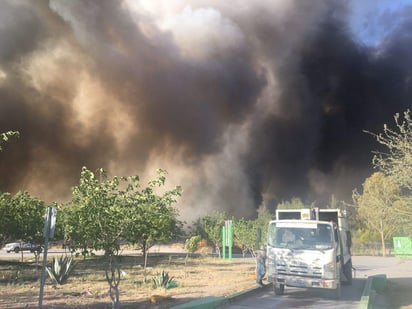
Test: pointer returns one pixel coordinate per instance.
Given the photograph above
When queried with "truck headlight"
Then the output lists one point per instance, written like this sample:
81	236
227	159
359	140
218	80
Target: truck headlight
329	270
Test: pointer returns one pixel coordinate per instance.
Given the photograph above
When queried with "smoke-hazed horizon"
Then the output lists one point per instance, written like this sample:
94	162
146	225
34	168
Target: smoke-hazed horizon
242	103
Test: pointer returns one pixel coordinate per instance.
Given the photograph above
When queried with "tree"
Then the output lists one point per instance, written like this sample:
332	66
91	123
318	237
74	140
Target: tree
96	220
96	217
151	217
294	203
397	162
7	222
262	222
104	211
4	137
376	205
244	235
403	216
192	244
29	215
22	218
245	232
210	227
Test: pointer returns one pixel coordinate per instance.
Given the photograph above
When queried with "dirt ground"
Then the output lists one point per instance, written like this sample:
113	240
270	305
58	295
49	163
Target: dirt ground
195	277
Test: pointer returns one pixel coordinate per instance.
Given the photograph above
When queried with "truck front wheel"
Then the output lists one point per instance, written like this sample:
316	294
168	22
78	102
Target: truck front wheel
336	293
279	290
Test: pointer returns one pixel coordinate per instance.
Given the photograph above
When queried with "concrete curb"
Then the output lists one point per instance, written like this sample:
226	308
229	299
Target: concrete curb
215	302
374	284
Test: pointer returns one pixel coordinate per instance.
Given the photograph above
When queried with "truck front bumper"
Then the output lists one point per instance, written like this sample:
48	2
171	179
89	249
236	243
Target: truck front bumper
303	282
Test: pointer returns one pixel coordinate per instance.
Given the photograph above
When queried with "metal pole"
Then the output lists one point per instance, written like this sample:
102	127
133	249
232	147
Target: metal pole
223	242
46	245
230	241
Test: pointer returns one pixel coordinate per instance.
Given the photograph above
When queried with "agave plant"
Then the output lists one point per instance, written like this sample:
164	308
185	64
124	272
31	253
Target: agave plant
61	269
162	280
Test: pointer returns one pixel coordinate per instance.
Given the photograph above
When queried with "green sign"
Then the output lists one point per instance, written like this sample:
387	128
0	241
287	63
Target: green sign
402	246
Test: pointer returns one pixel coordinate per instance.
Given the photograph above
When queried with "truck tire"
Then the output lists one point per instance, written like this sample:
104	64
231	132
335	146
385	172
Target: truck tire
336	293
17	249
279	290
347	271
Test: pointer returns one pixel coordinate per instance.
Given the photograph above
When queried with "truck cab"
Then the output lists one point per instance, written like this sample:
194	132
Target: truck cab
309	248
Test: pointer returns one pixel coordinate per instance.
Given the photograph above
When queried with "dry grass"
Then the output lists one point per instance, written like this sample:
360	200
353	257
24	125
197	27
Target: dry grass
87	288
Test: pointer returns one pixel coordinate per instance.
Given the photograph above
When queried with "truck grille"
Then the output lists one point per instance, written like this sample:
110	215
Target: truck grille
301	269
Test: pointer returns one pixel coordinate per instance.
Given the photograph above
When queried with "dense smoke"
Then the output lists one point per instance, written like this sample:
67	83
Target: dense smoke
242	104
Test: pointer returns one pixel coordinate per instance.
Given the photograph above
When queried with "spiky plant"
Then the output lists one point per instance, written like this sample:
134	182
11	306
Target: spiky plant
162	280
61	269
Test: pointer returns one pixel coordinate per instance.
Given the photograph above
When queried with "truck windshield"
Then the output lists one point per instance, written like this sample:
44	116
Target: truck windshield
318	236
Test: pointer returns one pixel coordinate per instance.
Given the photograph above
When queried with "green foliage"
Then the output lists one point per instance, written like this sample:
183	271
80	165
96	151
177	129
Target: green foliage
4	137
396	161
192	243
163	280
105	211
262	221
403	219
151	217
22	217
61	269
244	234
245	231
210	227
385	204
376	205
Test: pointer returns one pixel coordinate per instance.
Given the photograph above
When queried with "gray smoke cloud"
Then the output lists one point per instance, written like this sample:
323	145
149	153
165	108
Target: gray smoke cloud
243	104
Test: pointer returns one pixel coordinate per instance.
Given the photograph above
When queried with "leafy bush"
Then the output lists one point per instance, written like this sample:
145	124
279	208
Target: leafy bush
163	280
61	269
192	244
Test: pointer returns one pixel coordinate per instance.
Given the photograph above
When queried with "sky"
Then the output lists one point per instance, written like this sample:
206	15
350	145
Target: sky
244	103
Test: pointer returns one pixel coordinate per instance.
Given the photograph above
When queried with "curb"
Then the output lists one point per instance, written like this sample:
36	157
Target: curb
374	284
212	302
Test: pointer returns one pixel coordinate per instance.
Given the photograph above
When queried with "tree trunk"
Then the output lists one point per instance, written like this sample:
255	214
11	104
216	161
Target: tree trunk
382	232
113	278
145	252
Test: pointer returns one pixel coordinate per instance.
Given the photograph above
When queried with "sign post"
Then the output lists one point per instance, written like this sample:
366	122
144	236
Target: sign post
227	240
48	232
223	242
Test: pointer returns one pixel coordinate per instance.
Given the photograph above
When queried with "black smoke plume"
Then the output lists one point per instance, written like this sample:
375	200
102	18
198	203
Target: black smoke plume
243	104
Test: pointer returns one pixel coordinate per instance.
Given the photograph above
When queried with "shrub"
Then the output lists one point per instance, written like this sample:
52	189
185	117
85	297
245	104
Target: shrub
163	280
192	244
61	269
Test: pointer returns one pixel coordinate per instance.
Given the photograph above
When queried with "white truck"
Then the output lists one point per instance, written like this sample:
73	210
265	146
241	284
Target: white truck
309	248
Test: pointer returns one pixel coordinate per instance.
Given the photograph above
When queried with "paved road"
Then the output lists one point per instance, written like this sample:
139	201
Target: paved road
396	269
27	254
